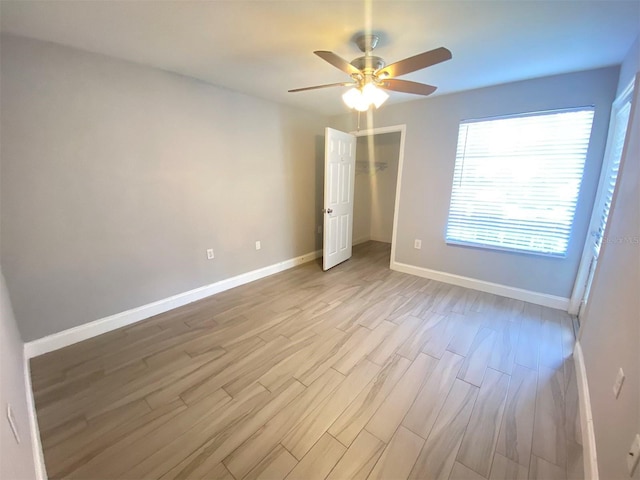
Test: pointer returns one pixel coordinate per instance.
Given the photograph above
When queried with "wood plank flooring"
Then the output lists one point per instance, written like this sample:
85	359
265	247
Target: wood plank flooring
355	373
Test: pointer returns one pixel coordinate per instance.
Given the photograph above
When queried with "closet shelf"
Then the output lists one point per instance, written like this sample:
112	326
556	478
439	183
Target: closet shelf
370	168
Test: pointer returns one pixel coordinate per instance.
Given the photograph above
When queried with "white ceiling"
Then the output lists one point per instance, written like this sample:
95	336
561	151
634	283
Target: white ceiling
264	48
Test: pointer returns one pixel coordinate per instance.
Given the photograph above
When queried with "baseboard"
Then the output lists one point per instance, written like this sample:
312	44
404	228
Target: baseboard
36	443
367	238
586	419
112	322
380	239
359	240
544	299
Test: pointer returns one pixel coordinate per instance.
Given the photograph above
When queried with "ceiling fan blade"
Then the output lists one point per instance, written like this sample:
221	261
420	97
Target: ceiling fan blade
407	87
341	84
417	62
338	62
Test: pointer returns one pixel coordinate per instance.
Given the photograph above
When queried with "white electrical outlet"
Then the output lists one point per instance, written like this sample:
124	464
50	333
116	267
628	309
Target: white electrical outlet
634	455
210	255
417	244
319	228
258	245
12	423
617	386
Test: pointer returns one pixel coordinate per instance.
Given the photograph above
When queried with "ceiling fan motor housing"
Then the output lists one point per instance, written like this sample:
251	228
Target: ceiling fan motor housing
368	62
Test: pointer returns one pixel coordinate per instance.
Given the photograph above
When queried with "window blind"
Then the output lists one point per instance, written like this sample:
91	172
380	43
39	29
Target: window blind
516	181
620	133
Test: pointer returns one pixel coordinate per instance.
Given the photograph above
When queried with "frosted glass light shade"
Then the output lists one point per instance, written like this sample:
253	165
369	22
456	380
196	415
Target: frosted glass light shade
362	99
354	98
374	95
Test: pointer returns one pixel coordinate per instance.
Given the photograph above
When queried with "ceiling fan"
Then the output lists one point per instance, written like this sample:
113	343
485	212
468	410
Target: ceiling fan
370	75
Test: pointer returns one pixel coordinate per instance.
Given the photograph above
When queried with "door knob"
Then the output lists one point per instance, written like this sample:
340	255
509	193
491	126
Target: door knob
329	210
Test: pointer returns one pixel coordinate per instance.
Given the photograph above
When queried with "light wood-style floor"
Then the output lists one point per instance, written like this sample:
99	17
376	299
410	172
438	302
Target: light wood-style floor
359	372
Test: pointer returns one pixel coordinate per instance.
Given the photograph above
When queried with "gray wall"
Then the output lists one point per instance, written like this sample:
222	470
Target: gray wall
117	177
430	147
375	192
16	460
610	334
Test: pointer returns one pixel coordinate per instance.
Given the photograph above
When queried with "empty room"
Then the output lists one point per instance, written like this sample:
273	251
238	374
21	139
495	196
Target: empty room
319	239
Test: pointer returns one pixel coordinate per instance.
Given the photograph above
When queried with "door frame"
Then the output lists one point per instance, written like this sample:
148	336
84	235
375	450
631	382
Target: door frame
402	129
579	285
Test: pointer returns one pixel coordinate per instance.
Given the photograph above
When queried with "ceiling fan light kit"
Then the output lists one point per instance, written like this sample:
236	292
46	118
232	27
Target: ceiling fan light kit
370	75
361	99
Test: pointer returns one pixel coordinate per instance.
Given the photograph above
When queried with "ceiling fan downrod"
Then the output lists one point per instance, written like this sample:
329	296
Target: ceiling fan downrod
367	63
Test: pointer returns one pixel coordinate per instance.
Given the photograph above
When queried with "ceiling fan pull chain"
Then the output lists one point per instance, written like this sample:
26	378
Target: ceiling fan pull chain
358	128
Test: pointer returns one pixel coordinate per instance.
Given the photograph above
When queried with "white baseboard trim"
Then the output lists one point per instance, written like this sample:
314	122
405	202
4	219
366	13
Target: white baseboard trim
36	443
112	322
359	240
586	419
380	239
538	298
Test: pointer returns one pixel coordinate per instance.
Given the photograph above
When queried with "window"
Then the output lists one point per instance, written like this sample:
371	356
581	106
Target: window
621	121
516	181
618	132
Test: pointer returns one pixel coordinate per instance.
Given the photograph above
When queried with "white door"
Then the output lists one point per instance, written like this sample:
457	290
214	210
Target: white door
608	179
339	176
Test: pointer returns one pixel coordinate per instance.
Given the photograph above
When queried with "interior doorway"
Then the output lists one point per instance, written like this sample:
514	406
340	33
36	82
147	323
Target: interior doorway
379	158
